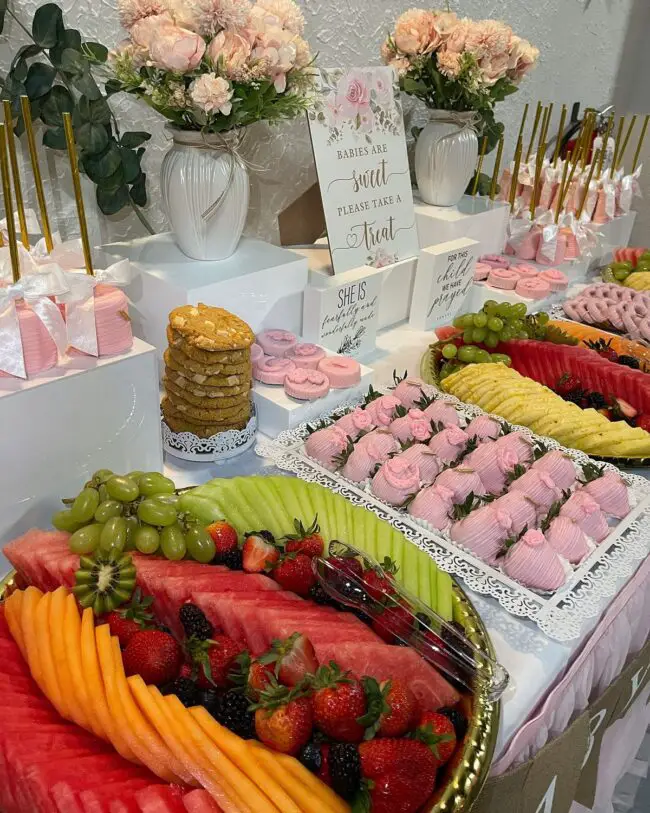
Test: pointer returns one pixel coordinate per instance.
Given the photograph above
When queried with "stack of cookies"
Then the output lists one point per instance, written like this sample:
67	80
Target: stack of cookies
207	371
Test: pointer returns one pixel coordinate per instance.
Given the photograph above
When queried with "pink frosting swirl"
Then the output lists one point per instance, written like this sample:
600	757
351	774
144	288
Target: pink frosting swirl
533	538
421	430
301	375
401	474
445	494
383	409
455	435
282	336
306	350
506	458
503	518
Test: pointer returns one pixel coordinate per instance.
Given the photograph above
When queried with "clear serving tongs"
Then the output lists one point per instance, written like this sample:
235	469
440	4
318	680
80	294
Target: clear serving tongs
438	642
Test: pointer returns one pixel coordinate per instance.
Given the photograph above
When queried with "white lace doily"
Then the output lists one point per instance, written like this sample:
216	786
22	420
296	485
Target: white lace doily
560	615
221	446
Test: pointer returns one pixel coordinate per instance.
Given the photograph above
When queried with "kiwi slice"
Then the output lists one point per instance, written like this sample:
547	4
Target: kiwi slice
104	581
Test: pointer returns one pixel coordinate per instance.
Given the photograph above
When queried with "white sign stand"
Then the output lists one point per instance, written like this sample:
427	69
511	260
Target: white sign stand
476	217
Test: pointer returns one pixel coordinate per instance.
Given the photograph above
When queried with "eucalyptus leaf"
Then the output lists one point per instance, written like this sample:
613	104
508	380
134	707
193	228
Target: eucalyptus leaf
25	52
113	86
139	190
111	202
3	11
92	138
113	182
134	139
131	164
57	102
40	78
54	138
72	62
47	25
97	51
84	83
20	70
100	112
99	167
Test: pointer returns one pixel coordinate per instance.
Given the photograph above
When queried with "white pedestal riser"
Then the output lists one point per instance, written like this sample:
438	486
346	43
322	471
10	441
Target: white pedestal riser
477	218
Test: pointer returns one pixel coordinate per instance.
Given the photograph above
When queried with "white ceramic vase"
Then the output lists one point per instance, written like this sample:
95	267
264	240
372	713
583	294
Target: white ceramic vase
445	157
198	172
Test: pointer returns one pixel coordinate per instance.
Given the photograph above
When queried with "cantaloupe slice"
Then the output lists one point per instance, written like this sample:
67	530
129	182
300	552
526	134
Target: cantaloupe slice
303	795
96	689
150	748
51	688
74	711
80	690
12	614
31	598
306	778
177	743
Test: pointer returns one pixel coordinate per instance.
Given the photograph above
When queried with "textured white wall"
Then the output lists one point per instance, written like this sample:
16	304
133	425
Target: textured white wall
580	54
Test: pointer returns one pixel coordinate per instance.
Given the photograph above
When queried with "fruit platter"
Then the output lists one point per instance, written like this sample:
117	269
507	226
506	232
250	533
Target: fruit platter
540	527
159	656
629	268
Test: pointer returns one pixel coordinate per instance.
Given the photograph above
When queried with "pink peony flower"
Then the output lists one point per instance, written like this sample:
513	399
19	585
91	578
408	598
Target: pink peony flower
211	94
277	52
213	15
491	70
230	51
449	63
415	32
522	58
303	52
131	11
445	23
488	39
145	31
457	38
286	13
355	95
176	49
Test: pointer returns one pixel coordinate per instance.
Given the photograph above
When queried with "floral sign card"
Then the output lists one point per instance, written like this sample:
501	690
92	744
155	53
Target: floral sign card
357	133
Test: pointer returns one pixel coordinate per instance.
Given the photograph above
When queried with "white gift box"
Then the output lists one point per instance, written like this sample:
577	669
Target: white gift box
61	426
261	283
478	218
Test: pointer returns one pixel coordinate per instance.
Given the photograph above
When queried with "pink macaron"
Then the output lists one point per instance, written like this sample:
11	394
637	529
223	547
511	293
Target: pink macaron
272	370
342	372
306	385
495	261
306	355
555	278
503	278
276	342
535	288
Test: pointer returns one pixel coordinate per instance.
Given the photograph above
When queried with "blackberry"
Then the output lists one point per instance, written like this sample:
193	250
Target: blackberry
234	559
311	757
424	622
233	712
318	594
185	689
458	721
629	361
597	400
454	639
194	622
575	397
209	699
345	769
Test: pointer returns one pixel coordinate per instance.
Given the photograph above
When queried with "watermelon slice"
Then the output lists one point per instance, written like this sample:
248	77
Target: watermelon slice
124	805
222	611
447	332
199	801
160	799
99	799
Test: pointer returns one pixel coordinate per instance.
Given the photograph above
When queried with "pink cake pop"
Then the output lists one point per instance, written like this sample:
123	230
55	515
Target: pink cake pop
503	278
355	422
305	355
325	445
306	385
527	249
396	480
555	278
276	342
39	350
534	563
273	370
342	372
572	245
600	212
533	288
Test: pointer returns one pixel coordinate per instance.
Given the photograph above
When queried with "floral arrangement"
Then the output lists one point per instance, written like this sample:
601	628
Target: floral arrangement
214	65
453	63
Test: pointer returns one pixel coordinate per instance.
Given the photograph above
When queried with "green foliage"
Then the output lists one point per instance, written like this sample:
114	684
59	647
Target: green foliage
55	72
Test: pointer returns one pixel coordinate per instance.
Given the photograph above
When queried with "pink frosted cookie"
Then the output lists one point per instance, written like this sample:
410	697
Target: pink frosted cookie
355	422
443	412
372	450
113	327
495	261
342	372
306	355
566	538
272	370
449	444
492	464
409	391
540	487
585	511
413	426
39	350
462	482
611	494
515	512
555	278
325	445
382	410
482	532
276	342
481	271
559	466
521	445
525	271
483	428
534	563
503	278
533	288
426	460
257	354
396	480
306	385
433	505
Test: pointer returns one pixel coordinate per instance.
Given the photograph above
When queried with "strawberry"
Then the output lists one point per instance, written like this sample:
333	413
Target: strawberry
339	704
259	553
402	790
154	655
131	618
348	564
216	660
438	733
224	537
381	756
395	624
623	410
567	383
402	708
294	572
284	719
291	660
258	679
305	540
643	422
378	585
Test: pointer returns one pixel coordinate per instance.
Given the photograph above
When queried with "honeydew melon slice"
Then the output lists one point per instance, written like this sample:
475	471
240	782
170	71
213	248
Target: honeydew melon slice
285	496
260	505
323	509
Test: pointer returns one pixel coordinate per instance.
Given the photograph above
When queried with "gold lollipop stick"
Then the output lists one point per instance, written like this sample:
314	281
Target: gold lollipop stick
637	154
621	157
497	168
538	174
560	133
480	165
514	182
617	146
585	194
13	161
558	207
543	138
538	113
76	183
9	206
603	152
523	123
36	169
586	147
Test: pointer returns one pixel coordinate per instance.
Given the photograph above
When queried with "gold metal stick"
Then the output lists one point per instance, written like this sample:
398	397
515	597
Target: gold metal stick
9	206
640	145
586	147
541	129
585	194
36	169
617	147
538	172
76	183
560	131
558	207
565	189
514	183
480	164
603	152
538	113
547	123
621	156
13	162
523	123
497	169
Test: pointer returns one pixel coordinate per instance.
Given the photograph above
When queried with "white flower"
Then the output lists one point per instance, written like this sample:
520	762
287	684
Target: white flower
211	94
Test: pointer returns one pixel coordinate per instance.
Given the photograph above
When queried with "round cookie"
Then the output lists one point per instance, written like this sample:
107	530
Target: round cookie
205	390
204	357
180	361
306	385
272	370
201	430
223	402
342	371
211	329
207	414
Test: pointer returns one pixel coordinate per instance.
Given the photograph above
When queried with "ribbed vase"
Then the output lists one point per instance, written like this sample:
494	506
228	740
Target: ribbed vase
197	171
445	157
